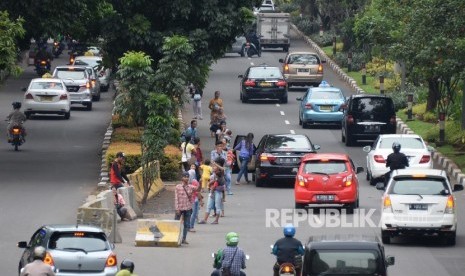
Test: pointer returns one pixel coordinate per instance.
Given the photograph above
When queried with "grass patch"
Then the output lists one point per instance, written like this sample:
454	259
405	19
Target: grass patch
419	127
368	88
451	152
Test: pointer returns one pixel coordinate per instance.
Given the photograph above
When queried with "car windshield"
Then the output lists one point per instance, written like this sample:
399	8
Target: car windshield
415	186
86	241
304	59
264	73
405	142
85	62
373	104
327	95
47	85
75	75
344	262
327	167
287	142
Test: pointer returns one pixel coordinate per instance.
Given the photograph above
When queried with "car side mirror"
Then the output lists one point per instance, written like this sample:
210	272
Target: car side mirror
359	170
24	89
430	148
22	244
112	246
367	148
240	76
380	186
316	147
390	260
299	99
281	60
458	187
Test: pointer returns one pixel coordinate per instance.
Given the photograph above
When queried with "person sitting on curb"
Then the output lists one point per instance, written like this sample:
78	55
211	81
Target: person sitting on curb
119	202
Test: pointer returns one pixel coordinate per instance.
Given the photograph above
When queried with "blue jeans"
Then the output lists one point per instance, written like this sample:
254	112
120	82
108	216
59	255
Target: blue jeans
186	216
243	169
195	211
227	177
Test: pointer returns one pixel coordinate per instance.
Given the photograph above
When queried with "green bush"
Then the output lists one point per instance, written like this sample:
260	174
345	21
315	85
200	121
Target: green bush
170	168
357	60
306	25
325	40
131	164
289	7
454	135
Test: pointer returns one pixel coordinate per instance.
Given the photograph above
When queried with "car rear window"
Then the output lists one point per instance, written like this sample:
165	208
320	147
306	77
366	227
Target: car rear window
422	186
327	95
326	167
287	142
405	142
373	104
75	75
303	59
264	73
87	241
344	262
85	62
47	85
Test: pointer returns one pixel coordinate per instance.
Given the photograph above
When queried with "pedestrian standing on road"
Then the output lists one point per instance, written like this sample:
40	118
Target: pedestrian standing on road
196	94
191	132
230	157
197	203
228	136
216	121
198	157
215	104
246	151
216	194
37	267
119	202
187	151
207	171
218	152
118	177
183	204
221	131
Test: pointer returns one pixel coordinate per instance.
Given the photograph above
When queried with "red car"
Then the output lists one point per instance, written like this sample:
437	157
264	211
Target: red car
327	179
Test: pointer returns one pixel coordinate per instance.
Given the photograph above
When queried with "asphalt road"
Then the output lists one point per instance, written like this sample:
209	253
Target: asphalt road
246	210
54	170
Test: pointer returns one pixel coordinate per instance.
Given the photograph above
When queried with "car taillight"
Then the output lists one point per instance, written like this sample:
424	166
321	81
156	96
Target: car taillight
64	97
393	120
347	181
286	69
320	69
28	96
281	83
48	259
301	181
450	205
249	82
387	203
308	106
350	119
425	159
379	159
267	157
111	260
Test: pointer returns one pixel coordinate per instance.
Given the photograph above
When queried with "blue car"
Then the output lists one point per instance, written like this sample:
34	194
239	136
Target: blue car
321	105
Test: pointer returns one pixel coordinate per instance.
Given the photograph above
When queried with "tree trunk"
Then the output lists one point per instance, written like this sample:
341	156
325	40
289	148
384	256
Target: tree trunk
463	107
433	94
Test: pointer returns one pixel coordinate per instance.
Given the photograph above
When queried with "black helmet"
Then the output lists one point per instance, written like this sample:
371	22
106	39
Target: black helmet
16	105
128	265
396	147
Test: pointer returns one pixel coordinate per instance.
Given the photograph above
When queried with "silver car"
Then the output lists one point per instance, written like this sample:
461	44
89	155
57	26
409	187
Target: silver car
77	82
96	62
419	202
72	250
238	46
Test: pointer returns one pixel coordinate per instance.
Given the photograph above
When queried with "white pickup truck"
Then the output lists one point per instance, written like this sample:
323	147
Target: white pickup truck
273	30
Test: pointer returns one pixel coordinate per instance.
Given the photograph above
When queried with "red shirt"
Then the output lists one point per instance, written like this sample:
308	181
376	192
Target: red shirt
183	200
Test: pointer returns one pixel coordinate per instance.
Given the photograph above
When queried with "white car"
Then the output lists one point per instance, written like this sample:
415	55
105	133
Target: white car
47	96
96	63
419	202
412	145
94	50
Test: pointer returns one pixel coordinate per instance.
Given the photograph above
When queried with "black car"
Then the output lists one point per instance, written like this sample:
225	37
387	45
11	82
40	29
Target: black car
326	255
278	157
263	82
367	116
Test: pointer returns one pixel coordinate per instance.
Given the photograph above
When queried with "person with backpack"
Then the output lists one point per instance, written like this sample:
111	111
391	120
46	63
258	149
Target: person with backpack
246	151
232	258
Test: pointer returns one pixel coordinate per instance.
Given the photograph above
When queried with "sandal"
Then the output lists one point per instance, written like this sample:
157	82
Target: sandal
215	222
202	222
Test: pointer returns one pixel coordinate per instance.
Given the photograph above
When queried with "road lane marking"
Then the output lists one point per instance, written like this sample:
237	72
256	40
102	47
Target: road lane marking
282	113
292	131
286	121
277	105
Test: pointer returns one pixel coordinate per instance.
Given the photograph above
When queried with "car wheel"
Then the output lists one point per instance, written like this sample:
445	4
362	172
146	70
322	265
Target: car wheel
258	181
385	237
368	175
104	88
343	139
349	140
286	49
300	206
373	181
450	239
300	121
351	207
28	115
89	106
67	115
243	99
284	99
254	177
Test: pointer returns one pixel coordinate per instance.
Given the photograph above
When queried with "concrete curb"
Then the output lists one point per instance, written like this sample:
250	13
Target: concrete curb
455	174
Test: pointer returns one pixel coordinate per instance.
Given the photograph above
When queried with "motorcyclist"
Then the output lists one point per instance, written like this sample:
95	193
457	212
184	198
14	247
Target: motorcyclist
395	161
38	267
288	250
253	38
232	257
126	268
43	54
15	118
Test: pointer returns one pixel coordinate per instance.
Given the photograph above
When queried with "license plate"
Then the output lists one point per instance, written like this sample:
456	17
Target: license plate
418	207
325	197
289	160
326	108
46	98
266	84
303	70
371	128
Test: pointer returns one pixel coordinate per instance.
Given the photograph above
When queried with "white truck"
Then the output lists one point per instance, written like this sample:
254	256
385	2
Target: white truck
273	30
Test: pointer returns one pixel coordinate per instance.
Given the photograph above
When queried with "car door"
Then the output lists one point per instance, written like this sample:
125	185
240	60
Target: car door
37	239
302	104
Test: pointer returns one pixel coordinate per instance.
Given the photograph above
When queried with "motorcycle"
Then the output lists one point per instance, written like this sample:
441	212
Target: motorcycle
250	50
57	48
287	269
43	66
217	262
16	134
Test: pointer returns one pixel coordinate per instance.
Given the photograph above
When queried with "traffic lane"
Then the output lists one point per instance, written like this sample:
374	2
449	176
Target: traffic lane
54	171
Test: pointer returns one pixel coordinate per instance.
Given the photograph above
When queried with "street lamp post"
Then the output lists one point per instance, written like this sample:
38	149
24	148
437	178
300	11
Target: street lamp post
364	74
321	30
349	62
442	127
381	85
409	106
